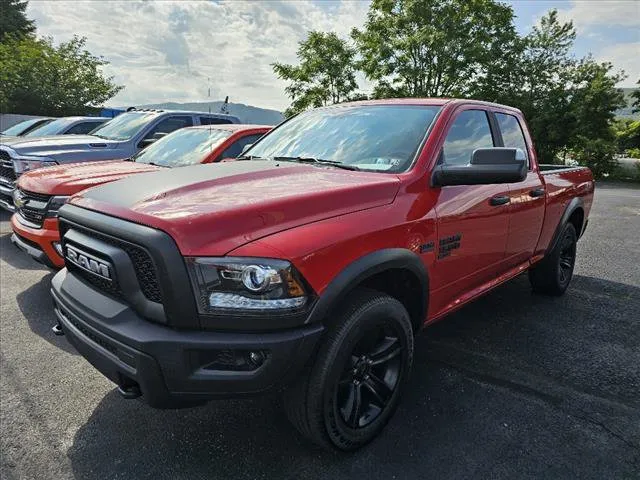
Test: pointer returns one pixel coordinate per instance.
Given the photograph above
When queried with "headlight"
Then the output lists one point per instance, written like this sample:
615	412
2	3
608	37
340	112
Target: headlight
239	284
55	203
27	164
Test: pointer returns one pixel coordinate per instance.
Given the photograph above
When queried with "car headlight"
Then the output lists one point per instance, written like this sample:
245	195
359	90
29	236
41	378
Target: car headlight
234	285
26	164
55	203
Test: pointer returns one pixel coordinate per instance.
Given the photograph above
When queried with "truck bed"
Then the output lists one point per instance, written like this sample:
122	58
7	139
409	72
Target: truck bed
562	185
547	168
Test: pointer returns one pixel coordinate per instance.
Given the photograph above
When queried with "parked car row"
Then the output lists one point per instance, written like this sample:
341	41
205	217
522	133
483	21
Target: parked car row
117	139
308	263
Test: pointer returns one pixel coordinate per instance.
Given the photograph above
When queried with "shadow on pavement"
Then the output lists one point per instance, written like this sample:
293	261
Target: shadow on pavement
451	423
37	308
16	257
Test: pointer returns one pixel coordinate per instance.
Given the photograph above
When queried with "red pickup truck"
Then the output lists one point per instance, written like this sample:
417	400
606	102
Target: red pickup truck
310	263
40	193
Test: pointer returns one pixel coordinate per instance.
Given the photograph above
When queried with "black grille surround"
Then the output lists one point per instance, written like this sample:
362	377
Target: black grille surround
40	197
140	258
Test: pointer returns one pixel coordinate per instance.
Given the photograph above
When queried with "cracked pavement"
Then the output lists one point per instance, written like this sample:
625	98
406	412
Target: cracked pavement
513	386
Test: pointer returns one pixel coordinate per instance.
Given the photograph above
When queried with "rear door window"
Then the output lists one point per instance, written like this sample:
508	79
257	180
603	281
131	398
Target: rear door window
512	134
470	130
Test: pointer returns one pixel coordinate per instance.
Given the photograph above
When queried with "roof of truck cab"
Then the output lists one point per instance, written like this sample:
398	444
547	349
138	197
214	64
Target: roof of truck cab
436	102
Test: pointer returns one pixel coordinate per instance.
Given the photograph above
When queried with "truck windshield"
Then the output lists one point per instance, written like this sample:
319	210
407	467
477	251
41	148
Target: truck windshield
22	126
187	146
124	126
51	128
368	137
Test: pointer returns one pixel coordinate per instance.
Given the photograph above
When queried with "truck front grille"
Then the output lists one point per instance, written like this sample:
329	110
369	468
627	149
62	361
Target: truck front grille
142	264
34	207
6	167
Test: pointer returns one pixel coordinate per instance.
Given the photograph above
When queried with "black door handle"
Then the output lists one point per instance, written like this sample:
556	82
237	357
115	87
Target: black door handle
500	200
538	192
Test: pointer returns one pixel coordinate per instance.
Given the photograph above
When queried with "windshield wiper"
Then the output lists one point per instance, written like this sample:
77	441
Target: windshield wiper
321	161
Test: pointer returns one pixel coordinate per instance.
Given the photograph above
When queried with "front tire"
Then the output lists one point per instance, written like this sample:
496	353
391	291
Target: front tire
553	274
354	386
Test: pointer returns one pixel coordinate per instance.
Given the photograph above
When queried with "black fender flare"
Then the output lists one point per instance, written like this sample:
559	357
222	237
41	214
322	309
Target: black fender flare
365	267
573	205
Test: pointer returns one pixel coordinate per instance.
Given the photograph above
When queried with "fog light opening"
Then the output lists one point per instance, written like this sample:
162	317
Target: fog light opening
257	358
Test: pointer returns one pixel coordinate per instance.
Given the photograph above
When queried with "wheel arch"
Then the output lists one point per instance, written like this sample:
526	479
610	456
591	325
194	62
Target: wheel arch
574	213
398	272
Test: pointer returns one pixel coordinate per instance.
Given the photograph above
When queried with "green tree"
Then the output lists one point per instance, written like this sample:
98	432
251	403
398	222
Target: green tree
544	69
39	78
568	103
13	20
636	96
324	76
431	48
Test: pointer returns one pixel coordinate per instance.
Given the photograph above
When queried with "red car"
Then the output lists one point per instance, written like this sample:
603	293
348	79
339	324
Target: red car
40	193
310	262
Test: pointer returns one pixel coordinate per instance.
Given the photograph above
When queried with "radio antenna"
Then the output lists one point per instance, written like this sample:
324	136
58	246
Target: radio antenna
209	96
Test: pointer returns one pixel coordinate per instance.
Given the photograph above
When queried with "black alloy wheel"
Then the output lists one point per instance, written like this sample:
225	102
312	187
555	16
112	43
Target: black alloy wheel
567	257
370	378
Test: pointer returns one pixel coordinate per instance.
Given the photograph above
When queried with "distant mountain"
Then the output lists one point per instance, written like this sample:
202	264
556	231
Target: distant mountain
246	113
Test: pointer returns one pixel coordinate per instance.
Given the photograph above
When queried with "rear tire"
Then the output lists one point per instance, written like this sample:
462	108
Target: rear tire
349	393
552	275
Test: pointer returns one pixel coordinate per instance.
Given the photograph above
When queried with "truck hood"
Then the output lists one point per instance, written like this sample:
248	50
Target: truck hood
57	144
75	177
212	209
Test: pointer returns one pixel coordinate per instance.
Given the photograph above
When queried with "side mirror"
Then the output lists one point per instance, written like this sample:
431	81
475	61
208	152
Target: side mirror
246	147
488	166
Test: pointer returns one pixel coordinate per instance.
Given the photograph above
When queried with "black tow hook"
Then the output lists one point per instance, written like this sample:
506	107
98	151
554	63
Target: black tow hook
130	391
57	330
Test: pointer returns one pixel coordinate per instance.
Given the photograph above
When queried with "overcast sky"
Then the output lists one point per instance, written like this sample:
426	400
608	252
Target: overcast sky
165	50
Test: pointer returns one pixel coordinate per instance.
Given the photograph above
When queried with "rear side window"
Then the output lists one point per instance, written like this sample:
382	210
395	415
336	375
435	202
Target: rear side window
213	121
235	149
470	130
83	128
512	135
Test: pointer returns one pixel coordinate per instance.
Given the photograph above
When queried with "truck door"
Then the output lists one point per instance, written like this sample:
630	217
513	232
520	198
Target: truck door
472	220
526	210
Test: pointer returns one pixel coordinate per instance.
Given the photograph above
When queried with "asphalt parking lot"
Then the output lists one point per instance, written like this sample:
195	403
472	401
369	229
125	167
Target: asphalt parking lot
513	386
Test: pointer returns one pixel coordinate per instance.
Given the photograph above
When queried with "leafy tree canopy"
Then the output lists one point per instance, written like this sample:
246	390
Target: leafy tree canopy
418	48
39	78
325	74
13	20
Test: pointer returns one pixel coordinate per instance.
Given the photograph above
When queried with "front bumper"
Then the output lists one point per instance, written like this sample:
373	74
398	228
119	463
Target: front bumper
38	242
173	368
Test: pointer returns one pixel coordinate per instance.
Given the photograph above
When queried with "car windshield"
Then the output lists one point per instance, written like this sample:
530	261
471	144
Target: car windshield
187	146
124	126
52	128
22	126
368	137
